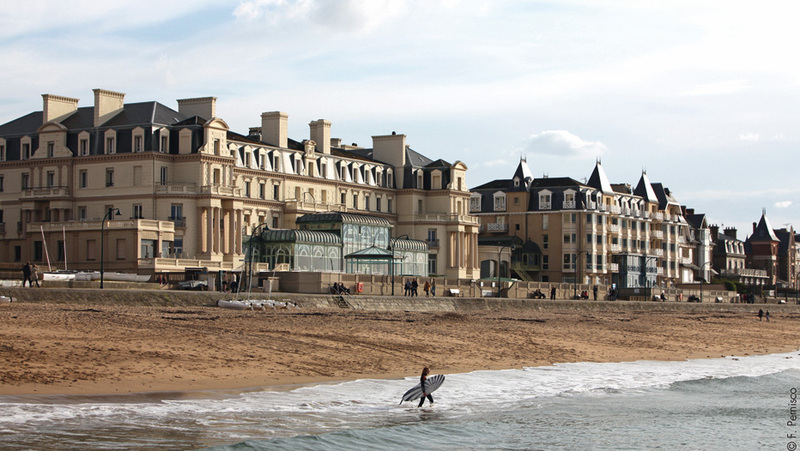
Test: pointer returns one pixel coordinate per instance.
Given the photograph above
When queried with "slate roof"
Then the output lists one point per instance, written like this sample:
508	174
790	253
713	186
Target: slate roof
645	190
300	236
350	218
599	180
763	231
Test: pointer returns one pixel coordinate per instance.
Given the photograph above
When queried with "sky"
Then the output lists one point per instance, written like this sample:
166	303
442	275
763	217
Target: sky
703	96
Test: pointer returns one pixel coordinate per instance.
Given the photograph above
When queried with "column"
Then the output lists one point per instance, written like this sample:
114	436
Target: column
239	225
210	231
202	229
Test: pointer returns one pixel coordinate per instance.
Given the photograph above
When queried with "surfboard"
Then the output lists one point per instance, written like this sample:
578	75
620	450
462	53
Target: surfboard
433	383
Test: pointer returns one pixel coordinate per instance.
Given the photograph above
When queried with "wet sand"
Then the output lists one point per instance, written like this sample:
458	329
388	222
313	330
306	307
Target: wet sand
75	349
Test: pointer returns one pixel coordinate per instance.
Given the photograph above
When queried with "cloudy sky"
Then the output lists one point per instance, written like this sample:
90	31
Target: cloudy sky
701	95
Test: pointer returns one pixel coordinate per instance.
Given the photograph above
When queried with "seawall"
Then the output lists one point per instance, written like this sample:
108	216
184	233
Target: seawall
155	297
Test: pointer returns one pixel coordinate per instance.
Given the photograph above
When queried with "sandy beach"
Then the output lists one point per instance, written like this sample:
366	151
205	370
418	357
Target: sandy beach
77	349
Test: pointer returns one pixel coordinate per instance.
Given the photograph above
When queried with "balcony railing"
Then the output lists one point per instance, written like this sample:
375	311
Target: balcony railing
179	221
659	216
496	227
42	192
613	228
615	209
434	243
569	204
613	267
545	206
177	188
658	234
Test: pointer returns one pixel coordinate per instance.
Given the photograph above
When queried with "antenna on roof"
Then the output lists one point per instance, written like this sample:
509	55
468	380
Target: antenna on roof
644	170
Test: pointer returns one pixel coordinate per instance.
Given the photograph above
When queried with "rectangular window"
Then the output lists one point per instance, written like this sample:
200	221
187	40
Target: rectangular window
366	202
91	249
147	249
2	153
377	202
17	253
84	147
246	189
262	191
1	184
83	179
274	222
50	179
137	144
120	249
165	142
545	241
81	213
275	192
176	212
389	205
545	262
51	149
109	177
25	181
431	263
110	145
164	175
355	200
137	211
26	151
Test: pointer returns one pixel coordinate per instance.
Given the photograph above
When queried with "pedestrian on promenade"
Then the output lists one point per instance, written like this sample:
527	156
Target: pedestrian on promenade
26	273
553	293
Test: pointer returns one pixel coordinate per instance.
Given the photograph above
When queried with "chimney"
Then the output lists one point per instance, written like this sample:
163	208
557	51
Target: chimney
275	128
254	133
731	232
205	107
754	227
336	142
321	134
57	107
106	105
390	149
689	212
714	231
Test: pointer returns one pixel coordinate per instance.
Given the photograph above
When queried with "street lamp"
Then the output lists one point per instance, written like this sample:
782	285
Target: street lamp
391	249
107	216
511	246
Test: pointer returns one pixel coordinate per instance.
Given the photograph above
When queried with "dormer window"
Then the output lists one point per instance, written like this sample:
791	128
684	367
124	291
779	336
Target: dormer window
499	201
110	142
475	202
545	200
569	199
516	182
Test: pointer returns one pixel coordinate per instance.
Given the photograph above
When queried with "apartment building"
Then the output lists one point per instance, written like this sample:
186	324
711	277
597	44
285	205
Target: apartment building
176	188
591	232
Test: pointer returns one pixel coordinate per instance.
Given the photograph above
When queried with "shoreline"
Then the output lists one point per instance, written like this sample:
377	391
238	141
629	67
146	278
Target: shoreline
68	349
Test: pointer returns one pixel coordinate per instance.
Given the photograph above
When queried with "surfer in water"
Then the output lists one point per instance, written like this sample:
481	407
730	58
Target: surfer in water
422	381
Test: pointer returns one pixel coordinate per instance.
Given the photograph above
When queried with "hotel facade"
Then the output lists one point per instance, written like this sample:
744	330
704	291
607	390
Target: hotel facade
174	189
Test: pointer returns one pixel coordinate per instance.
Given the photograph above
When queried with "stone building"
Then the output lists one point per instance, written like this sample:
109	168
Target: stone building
173	189
589	233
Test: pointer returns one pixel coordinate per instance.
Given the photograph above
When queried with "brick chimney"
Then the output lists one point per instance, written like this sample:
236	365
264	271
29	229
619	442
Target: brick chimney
106	105
731	232
56	108
275	128
321	134
205	107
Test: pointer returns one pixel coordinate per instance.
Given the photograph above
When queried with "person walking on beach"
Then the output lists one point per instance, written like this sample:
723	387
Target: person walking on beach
760	314
594	292
423	380
433	287
414	286
553	293
26	273
407	288
427	288
766	315
35	275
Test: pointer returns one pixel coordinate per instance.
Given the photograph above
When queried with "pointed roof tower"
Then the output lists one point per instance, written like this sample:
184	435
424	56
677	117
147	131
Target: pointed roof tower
763	231
523	174
598	179
644	189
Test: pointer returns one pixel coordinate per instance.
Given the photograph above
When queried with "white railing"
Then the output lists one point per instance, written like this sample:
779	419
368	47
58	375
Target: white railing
614	247
613	228
659	234
177	188
658	252
613	267
658	216
615	209
544	205
495	227
569	204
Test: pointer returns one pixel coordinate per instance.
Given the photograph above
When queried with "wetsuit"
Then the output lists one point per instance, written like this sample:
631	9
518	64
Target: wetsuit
423	382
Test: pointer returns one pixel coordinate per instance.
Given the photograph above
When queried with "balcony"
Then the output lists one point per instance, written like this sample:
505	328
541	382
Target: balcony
176	188
433	243
658	234
216	190
658	252
545	205
613	228
45	193
615	209
614	248
496	227
659	216
613	267
569	204
180	222
463	219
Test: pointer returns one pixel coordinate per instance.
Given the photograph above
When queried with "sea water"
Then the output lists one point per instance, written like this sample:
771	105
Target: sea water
746	403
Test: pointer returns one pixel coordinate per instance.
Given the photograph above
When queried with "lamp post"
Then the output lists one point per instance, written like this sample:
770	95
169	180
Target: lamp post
107	216
511	246
577	272
702	279
391	249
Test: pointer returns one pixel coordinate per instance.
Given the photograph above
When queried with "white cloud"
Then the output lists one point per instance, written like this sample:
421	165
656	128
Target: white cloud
783	204
563	143
749	137
718	88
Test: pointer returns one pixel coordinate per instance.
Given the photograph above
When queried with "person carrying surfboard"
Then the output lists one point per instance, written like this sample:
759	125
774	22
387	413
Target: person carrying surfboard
422	382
